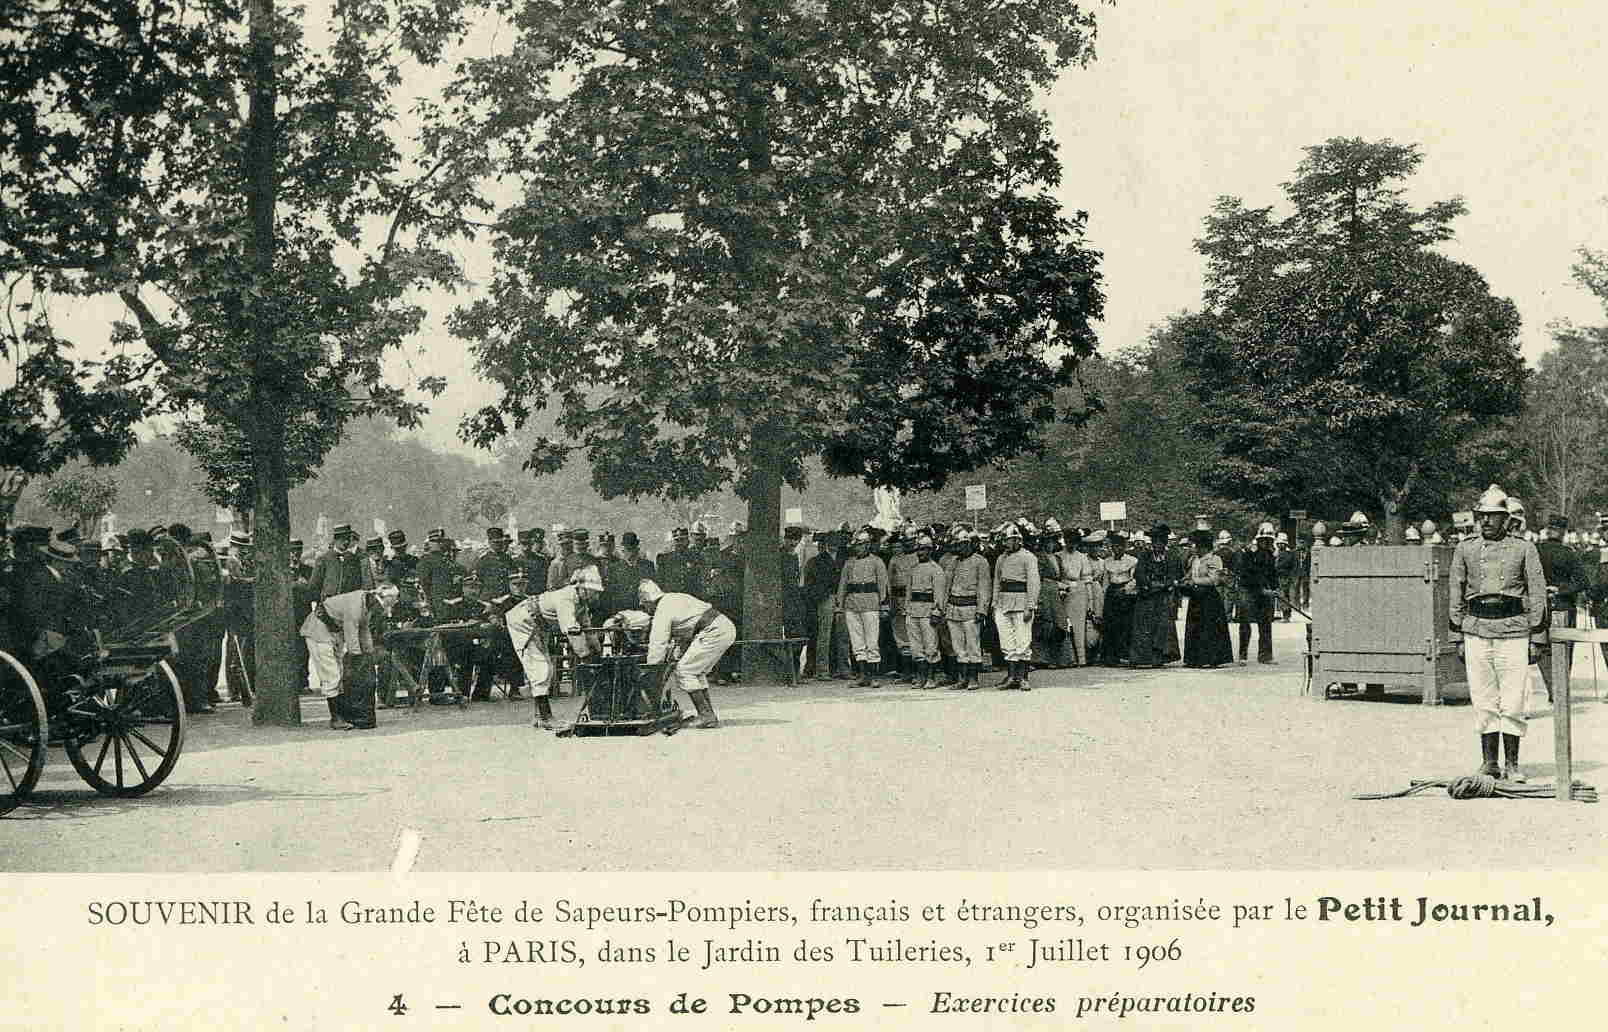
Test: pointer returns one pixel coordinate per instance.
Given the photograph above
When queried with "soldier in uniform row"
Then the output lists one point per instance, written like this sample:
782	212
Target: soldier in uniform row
862	591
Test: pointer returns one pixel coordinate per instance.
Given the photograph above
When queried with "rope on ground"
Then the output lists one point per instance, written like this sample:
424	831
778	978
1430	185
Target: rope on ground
1485	786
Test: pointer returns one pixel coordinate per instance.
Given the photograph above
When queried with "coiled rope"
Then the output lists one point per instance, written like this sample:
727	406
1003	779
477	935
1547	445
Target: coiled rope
1486	786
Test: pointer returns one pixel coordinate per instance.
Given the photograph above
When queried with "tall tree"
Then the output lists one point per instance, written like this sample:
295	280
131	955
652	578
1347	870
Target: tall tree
83	497
1340	360
241	191
1565	422
56	404
755	231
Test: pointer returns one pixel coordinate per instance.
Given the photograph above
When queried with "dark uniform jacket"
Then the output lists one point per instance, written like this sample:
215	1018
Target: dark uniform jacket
439	579
679	570
336	573
494	569
1564	570
821	575
535	566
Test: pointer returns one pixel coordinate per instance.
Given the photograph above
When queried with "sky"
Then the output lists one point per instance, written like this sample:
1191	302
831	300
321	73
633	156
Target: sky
1189	100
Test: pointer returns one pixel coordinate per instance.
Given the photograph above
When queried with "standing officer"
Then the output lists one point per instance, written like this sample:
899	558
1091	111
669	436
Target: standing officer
1566	577
439	576
970	593
1258	581
533	558
675	566
1498	600
927	598
566	548
899	570
1015	600
495	566
862	591
821	575
374	559
576	556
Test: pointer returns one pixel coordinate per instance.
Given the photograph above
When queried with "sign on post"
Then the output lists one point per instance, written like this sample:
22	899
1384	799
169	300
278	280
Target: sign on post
1298	514
976	496
1113	512
793	516
379	526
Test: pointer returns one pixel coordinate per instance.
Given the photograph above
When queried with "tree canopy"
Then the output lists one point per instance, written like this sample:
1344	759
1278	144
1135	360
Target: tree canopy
1341	361
751	233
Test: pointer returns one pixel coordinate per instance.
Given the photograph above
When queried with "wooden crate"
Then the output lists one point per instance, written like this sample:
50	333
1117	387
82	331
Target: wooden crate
1379	617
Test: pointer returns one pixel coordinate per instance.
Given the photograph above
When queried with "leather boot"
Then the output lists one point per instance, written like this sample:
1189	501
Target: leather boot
1023	669
921	677
950	669
1510	747
1010	683
870	671
706	710
1490	748
969	673
337	719
544	713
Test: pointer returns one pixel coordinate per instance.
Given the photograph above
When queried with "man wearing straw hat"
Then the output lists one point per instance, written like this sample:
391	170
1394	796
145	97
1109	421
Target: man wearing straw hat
1498	594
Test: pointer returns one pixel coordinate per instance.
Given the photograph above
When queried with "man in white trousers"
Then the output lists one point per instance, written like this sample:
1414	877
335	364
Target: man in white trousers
337	627
1498	600
528	624
1015	600
705	633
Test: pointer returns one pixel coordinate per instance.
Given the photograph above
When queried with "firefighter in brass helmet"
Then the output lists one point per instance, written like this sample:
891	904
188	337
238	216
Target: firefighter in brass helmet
1498	601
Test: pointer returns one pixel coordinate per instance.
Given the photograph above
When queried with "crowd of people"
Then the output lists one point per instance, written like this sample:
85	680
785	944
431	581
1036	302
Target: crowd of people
931	606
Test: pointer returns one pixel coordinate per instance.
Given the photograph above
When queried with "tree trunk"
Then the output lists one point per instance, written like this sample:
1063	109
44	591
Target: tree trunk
276	680
762	581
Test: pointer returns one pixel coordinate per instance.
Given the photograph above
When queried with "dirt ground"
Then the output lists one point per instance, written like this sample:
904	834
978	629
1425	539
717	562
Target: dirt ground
1171	769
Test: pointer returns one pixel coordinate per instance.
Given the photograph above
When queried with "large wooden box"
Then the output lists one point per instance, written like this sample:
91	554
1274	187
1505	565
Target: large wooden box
1379	617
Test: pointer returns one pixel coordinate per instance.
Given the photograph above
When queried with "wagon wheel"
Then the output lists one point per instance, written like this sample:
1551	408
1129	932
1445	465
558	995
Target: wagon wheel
131	732
24	730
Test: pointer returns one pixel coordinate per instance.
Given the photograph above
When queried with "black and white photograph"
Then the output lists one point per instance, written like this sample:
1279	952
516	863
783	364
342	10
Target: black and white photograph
583	439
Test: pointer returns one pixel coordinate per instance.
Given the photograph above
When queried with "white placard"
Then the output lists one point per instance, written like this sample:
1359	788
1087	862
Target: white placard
379	526
976	496
794	516
223	516
1113	511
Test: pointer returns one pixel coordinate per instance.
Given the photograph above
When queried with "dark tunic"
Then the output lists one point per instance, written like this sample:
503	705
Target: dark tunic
1155	636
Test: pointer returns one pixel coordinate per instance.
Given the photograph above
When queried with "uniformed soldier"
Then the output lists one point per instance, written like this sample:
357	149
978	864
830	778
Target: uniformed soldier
1566	578
563	610
439	577
795	613
566	548
861	594
575	556
674	565
969	593
374	560
706	634
402	569
1257	577
925	604
899	570
533	558
1498	595
1015	601
627	570
494	568
239	609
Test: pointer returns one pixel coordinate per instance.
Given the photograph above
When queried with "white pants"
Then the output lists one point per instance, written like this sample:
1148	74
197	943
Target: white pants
703	652
1498	682
1015	635
529	636
324	667
865	632
923	638
966	636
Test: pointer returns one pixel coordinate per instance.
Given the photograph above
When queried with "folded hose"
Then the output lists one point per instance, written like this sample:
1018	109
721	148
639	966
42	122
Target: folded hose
1486	786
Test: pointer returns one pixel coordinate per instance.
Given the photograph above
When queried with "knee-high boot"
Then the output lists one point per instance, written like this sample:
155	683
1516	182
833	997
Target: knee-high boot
706	709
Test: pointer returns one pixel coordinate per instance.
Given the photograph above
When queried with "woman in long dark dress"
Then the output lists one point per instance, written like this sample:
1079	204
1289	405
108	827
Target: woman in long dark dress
1155	636
1206	640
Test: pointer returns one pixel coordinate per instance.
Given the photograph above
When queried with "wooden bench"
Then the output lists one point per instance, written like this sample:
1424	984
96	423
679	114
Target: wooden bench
788	647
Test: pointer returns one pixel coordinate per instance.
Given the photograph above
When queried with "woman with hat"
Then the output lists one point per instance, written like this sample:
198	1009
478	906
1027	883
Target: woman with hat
1116	621
1155	636
1206	641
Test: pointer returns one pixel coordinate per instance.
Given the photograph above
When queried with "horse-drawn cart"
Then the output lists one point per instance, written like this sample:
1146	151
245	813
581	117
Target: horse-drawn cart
114	704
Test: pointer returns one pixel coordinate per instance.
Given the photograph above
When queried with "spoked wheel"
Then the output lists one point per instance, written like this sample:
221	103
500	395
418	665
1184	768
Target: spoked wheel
125	738
24	730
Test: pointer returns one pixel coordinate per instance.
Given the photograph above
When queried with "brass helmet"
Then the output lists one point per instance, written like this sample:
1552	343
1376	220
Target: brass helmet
1493	500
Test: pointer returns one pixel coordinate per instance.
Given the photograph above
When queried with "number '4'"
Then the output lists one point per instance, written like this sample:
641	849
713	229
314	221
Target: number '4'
397	1006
